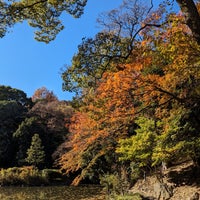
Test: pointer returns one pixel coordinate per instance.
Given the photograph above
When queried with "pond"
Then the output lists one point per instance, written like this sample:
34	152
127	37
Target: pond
86	192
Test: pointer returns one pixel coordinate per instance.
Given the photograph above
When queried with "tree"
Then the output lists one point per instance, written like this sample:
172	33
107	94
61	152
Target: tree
167	87
139	147
13	108
53	118
41	14
36	154
71	160
44	94
92	60
12	94
22	137
179	138
107	114
113	44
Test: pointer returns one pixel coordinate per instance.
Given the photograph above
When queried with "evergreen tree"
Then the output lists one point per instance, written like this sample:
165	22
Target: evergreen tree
36	154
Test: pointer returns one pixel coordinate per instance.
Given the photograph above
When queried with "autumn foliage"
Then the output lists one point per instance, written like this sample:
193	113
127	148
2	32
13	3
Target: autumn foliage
138	95
146	109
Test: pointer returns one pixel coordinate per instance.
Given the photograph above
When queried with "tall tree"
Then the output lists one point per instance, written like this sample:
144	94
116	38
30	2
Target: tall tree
36	154
22	137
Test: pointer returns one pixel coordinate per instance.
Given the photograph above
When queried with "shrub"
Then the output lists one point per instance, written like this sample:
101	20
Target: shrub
22	176
114	184
52	174
111	183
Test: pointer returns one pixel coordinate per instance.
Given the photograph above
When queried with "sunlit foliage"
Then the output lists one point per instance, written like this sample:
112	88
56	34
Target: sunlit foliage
44	15
146	109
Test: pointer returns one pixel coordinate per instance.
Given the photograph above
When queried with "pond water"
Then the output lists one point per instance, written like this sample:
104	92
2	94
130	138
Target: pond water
52	193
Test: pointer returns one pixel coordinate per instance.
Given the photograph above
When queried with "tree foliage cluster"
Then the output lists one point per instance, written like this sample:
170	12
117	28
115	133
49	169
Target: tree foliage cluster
43	15
139	97
30	130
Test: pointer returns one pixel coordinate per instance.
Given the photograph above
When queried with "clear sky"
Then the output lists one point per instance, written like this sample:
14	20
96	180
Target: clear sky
27	65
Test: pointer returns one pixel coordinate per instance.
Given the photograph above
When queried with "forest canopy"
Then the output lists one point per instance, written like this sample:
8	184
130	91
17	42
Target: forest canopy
137	83
138	93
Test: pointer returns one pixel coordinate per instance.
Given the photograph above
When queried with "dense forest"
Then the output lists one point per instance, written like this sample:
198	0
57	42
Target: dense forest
31	128
137	103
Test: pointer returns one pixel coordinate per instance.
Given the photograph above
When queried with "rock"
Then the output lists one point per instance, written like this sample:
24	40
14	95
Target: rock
195	196
162	191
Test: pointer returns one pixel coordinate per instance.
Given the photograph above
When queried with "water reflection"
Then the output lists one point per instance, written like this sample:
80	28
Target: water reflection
51	193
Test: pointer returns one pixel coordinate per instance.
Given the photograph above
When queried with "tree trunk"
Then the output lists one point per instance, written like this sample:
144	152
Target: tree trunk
192	16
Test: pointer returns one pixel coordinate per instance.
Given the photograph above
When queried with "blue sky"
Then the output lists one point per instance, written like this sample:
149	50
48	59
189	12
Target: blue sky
27	65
